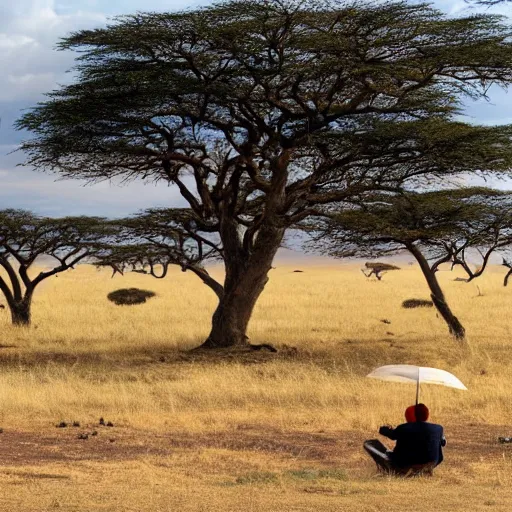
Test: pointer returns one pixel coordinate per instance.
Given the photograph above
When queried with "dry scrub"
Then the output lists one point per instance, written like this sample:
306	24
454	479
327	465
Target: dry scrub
251	433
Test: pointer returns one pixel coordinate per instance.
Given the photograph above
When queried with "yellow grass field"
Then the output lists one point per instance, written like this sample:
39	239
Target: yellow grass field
260	431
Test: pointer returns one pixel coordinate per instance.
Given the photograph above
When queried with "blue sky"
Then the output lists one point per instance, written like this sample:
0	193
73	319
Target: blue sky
29	30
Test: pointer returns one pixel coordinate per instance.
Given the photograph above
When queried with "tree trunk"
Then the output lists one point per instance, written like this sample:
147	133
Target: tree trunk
505	281
231	318
455	327
21	311
246	277
436	293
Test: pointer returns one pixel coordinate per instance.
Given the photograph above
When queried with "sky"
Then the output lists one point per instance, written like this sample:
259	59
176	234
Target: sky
30	66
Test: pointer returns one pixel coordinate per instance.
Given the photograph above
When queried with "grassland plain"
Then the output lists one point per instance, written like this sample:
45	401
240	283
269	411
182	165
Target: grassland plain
260	431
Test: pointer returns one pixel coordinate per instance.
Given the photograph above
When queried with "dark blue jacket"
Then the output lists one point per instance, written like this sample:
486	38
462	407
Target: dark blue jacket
416	443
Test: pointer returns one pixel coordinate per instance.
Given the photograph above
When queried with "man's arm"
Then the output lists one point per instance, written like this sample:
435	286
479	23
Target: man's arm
387	431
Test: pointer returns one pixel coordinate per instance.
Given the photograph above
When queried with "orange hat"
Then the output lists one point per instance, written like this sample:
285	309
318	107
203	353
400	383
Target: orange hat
421	412
410	414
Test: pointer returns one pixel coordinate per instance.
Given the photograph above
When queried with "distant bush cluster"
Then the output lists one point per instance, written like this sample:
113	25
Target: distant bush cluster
130	296
417	303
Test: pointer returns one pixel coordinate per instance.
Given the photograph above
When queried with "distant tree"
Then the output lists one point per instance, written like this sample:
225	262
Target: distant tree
485	234
26	238
258	111
422	223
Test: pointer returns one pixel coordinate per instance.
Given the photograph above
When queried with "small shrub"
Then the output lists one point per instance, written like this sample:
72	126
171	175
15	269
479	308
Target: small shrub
314	474
417	303
257	477
129	296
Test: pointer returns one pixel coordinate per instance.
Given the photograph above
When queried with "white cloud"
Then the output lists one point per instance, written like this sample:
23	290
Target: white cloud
22	188
29	30
27	85
9	42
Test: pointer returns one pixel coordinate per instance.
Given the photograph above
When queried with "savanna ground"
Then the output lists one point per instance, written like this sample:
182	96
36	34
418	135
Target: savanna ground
254	432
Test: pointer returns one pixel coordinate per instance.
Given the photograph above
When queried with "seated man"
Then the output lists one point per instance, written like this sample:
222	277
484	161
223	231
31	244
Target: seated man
418	444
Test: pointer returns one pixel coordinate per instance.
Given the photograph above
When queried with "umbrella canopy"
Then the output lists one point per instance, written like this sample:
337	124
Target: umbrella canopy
416	375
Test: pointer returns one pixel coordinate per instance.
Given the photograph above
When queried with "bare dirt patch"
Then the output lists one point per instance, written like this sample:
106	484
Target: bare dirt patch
304	445
475	442
33	448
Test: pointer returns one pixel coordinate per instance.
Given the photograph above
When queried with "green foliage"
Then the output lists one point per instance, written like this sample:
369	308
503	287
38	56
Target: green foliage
160	94
157	238
129	296
386	224
25	236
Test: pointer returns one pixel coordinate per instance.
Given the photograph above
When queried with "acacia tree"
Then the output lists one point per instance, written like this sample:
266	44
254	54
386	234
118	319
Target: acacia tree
25	238
423	223
260	110
486	230
486	234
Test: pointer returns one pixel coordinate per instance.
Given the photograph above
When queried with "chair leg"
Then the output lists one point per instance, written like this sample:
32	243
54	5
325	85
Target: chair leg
378	452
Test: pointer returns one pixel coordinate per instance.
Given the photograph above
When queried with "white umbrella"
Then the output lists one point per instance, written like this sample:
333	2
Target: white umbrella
416	374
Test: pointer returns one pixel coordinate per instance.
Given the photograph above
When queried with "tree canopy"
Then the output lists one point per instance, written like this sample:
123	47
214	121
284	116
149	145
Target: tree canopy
443	222
487	232
25	238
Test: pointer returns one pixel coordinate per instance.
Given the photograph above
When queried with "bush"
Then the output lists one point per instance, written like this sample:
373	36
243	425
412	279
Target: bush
417	303
130	296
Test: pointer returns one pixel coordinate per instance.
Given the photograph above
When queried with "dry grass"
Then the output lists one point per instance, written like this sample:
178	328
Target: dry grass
262	432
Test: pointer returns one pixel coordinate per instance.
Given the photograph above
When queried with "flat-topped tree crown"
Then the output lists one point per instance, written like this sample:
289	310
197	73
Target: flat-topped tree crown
433	220
155	91
486	232
260	110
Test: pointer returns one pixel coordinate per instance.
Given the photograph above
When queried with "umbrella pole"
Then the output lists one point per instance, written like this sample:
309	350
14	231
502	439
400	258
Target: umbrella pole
418	387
